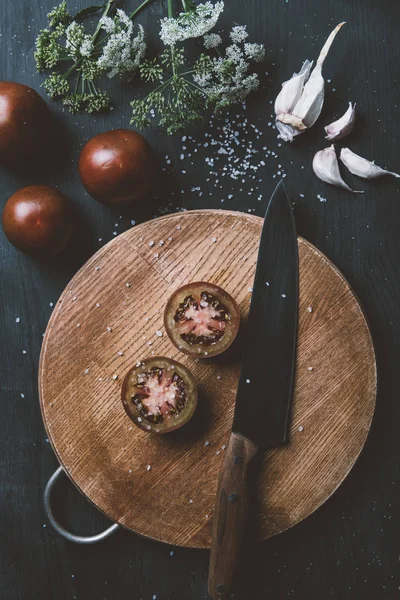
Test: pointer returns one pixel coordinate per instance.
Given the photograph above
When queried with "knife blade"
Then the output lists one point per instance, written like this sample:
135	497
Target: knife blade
264	393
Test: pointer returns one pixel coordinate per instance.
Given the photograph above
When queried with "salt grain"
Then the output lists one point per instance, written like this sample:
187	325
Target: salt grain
128	285
23	351
310	368
310	309
151	244
87	371
78	324
115	377
283	295
247	380
301	428
213	239
22	395
207	443
148	467
18	319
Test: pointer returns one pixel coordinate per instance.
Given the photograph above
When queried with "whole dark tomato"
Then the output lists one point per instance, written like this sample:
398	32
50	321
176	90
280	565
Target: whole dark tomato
159	394
38	220
201	319
24	123
117	166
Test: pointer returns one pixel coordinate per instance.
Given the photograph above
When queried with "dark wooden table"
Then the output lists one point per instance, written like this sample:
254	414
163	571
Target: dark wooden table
349	549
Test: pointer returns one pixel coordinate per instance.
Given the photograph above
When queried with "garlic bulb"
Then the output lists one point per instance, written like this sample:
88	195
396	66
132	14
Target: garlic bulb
361	166
343	126
299	103
326	167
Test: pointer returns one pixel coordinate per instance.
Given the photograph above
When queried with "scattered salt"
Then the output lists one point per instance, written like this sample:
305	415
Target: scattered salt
18	319
159	333
148	467
151	244
301	428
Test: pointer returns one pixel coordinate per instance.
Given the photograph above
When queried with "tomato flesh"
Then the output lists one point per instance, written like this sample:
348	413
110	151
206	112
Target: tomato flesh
202	319
159	394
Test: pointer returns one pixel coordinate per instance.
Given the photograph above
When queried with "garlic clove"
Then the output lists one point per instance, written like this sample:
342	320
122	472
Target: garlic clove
343	126
306	107
361	166
292	89
326	167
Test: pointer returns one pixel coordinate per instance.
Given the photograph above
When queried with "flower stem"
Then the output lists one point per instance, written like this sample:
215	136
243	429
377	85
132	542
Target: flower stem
170	13
77	82
139	8
105	13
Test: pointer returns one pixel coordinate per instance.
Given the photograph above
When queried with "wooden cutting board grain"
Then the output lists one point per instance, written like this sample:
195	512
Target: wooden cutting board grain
106	320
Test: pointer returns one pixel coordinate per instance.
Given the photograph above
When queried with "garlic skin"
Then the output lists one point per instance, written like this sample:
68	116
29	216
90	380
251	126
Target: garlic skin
326	167
343	126
361	166
299	103
288	97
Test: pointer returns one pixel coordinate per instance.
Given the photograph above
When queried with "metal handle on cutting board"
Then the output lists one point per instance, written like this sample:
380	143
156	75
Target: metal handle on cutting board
71	537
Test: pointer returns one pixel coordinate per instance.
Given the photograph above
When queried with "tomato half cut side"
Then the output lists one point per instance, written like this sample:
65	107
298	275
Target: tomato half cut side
201	319
159	394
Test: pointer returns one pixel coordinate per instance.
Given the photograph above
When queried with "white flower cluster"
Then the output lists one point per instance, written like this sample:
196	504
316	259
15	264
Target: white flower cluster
75	36
238	34
78	43
123	52
212	40
228	79
192	24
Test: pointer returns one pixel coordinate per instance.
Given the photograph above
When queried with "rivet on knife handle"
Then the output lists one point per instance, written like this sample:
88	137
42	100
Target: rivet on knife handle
230	515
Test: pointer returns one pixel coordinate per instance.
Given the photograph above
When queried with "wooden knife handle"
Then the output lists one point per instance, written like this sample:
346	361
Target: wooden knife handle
230	515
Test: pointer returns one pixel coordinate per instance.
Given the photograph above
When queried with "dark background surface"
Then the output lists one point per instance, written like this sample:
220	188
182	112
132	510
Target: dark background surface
350	548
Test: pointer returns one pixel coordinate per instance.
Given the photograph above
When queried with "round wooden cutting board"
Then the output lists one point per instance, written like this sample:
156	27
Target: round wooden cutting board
106	320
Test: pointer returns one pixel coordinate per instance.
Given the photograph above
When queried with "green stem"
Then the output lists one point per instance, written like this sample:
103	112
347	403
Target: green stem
71	69
105	13
170	12
77	82
195	86
139	8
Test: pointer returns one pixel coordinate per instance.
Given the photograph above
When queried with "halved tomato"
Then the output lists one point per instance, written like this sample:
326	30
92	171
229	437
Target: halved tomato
159	394
201	319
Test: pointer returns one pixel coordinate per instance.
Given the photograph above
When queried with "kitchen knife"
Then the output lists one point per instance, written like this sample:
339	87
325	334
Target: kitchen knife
264	394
